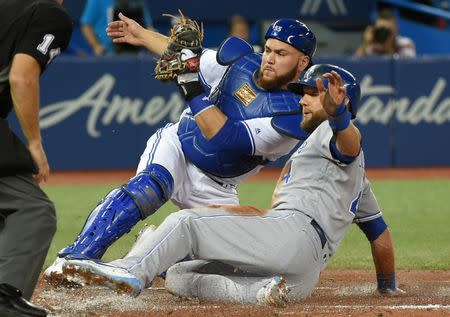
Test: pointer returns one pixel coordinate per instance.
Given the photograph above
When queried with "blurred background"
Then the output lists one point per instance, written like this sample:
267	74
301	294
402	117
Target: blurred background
100	103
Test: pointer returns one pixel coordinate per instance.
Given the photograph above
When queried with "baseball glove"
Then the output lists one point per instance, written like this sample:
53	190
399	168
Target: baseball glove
182	54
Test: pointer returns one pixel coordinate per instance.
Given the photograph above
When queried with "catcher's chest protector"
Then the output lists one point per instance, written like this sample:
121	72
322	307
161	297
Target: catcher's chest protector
240	98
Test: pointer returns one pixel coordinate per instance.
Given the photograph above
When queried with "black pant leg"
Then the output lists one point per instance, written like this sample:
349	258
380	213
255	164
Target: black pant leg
29	223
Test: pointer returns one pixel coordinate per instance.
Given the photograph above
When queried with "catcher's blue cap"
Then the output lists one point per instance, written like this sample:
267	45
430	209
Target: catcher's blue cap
295	33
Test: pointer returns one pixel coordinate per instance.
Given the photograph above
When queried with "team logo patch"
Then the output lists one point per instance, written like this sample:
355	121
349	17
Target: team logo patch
245	94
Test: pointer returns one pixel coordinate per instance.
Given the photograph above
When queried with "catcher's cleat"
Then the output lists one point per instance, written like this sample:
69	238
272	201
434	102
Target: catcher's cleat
89	272
274	293
54	275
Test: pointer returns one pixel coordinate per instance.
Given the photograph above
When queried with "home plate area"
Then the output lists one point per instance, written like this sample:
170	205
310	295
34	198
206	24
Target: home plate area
339	293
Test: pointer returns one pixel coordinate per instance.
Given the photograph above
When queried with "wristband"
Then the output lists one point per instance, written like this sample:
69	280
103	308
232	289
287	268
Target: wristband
342	119
386	282
191	89
199	103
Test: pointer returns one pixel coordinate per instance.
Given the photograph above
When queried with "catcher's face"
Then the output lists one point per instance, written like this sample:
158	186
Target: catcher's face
281	64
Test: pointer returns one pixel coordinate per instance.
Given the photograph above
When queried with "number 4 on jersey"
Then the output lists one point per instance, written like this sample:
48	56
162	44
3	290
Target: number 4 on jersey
355	203
287	172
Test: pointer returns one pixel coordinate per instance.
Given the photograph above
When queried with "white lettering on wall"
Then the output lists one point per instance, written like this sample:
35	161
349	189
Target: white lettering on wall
431	107
115	109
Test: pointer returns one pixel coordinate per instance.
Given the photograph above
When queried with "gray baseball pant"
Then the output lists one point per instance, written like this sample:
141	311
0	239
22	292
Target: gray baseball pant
276	243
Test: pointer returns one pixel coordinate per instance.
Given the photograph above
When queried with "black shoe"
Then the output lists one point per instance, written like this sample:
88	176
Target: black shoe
12	304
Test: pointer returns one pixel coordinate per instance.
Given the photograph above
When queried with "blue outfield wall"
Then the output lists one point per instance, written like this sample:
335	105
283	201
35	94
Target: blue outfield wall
97	113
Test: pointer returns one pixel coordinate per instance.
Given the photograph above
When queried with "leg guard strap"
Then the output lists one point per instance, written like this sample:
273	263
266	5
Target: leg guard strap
150	189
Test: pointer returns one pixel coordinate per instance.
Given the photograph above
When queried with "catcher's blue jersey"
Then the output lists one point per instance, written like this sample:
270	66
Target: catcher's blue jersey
239	98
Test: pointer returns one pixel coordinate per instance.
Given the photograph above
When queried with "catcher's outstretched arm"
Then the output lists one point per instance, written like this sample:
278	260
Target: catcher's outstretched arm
127	30
155	42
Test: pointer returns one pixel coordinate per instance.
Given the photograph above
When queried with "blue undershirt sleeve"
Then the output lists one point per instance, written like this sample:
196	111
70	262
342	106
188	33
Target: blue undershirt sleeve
234	135
373	228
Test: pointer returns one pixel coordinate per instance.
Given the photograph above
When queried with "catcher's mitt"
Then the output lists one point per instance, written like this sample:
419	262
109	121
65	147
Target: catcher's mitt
187	36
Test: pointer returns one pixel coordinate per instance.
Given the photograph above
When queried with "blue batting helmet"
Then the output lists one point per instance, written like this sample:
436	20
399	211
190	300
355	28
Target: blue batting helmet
309	77
295	33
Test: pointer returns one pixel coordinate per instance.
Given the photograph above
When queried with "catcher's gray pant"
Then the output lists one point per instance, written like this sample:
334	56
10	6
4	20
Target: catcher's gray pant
274	243
27	226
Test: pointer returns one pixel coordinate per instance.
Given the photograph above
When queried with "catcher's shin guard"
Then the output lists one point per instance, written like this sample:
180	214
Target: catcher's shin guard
120	210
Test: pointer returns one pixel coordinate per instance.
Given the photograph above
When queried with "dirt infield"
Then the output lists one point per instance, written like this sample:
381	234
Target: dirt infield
339	293
268	174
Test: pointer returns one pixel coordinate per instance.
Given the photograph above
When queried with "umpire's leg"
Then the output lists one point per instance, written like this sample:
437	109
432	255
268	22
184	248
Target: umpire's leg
27	226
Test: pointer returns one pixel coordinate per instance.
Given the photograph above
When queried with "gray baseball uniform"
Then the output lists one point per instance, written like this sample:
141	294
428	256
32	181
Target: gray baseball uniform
282	241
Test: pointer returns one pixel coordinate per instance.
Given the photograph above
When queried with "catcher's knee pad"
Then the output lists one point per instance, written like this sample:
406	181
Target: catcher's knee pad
150	189
120	210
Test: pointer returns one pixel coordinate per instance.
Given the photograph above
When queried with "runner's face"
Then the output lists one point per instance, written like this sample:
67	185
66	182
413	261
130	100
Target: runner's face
313	112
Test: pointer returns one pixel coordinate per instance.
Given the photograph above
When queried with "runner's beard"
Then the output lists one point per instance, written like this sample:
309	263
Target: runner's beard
309	125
